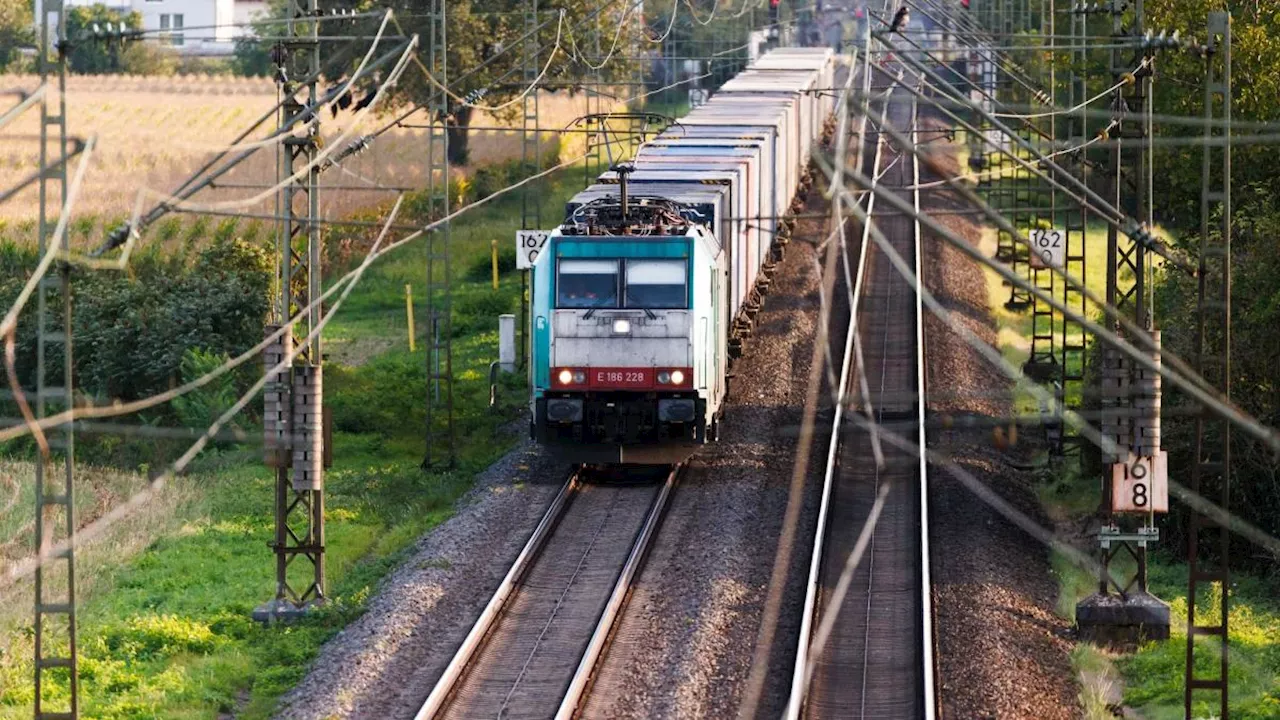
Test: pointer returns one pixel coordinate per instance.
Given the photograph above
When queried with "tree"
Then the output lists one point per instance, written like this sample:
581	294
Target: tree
15	30
253	55
1179	90
488	32
97	57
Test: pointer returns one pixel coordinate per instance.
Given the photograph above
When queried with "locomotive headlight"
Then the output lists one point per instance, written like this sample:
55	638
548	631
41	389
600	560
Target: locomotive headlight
664	377
621	327
570	376
677	377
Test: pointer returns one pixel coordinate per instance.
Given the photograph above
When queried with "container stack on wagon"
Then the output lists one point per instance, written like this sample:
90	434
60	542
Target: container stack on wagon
734	167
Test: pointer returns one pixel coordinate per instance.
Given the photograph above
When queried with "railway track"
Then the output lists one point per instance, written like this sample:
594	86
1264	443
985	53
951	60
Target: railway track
865	648
532	651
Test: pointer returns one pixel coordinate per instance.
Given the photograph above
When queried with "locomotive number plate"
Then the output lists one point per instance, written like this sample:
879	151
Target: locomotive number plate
621	377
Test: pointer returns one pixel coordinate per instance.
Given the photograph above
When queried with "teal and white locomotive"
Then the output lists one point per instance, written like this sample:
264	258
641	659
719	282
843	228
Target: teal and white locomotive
647	289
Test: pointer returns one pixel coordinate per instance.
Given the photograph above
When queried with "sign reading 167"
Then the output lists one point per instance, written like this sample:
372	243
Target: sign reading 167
528	244
1048	248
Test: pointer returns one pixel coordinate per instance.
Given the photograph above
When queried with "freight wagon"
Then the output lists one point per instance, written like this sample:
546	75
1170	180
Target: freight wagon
646	291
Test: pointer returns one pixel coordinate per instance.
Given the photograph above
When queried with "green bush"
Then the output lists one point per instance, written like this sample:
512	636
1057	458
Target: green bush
15	31
131	332
96	58
200	408
488	180
143	58
489	304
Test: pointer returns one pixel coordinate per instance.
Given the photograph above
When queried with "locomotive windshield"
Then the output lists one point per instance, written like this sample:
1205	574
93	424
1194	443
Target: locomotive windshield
588	284
656	284
649	284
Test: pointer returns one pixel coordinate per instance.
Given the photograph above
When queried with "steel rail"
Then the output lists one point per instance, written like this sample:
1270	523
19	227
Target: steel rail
926	580
475	639
578	686
801	671
803	666
443	693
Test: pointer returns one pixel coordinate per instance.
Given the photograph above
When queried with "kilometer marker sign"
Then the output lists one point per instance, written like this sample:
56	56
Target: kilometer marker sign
529	244
1048	248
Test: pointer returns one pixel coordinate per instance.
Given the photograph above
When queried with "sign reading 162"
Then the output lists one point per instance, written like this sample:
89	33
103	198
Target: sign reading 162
1048	248
529	244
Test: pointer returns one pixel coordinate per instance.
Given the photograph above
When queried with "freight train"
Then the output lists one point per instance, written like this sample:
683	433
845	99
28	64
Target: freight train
649	287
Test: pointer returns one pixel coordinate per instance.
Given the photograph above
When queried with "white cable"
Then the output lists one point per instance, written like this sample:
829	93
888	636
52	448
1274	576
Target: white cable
577	54
675	7
495	108
693	12
267	142
988	174
1125	80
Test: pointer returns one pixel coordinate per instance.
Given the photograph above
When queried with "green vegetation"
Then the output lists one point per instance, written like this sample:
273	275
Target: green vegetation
164	626
131	332
15	31
1014	328
1150	679
1099	681
97	58
167	633
1153	675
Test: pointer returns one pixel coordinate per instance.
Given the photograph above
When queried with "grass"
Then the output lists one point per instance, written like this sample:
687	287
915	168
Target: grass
1014	327
1099	681
1153	675
165	601
168	630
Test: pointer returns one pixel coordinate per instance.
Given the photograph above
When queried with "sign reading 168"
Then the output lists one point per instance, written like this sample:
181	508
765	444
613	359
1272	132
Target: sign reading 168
1048	248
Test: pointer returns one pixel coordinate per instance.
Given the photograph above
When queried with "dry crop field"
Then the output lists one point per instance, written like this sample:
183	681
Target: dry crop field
154	131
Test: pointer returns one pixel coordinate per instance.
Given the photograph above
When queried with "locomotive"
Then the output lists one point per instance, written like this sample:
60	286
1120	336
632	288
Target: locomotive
645	292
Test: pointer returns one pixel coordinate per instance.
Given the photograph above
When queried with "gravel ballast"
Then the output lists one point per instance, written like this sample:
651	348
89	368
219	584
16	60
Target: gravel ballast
685	644
384	664
1001	650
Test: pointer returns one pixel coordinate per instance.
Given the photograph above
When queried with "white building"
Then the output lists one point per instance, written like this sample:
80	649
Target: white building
192	27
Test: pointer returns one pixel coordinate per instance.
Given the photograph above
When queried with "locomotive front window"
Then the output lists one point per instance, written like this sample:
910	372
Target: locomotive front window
657	284
587	284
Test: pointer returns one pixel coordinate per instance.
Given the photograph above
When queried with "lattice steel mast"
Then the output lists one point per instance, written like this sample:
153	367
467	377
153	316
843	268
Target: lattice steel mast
1212	466
1130	394
441	441
55	521
294	416
530	160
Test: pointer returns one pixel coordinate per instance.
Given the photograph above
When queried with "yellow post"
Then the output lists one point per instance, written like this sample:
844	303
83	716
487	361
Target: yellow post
408	308
494	245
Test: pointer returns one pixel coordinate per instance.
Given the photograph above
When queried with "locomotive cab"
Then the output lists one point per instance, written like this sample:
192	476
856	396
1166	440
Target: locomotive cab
625	344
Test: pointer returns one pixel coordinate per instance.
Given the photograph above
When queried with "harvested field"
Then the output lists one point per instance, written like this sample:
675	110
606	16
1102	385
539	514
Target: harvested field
154	131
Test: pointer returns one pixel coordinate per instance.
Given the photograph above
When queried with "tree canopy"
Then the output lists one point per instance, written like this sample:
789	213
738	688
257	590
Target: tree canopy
15	30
